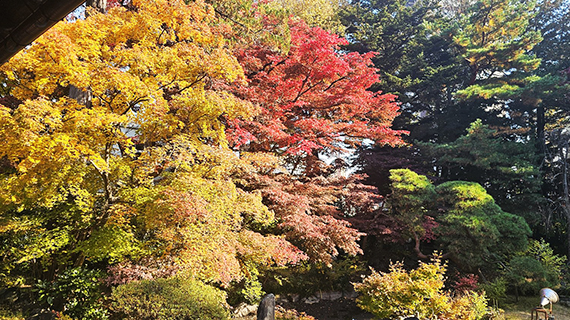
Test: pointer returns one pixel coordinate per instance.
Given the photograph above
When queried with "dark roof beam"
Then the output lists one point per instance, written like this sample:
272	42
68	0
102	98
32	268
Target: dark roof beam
36	17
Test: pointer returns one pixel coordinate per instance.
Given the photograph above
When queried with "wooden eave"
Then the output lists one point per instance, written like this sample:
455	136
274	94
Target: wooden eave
22	21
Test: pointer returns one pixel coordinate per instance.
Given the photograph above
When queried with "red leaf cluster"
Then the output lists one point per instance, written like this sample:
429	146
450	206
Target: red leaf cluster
314	97
466	283
313	212
148	269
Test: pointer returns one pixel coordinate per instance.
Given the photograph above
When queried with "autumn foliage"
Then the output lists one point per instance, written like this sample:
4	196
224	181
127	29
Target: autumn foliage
153	140
313	98
419	292
165	148
312	101
140	168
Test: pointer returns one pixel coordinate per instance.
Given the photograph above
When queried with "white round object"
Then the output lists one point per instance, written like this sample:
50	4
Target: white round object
547	296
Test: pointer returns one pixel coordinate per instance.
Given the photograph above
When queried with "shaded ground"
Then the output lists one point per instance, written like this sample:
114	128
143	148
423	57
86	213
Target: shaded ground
340	309
346	309
520	310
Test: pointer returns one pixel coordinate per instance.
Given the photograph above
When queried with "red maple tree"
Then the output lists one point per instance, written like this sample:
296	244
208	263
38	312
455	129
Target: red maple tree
314	97
313	102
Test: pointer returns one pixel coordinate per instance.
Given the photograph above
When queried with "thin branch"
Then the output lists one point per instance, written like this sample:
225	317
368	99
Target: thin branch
224	15
335	82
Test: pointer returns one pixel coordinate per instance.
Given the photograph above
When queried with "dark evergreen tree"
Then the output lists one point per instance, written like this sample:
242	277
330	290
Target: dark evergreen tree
416	59
451	63
505	168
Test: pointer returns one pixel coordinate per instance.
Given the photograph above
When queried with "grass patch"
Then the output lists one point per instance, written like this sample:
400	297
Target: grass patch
520	310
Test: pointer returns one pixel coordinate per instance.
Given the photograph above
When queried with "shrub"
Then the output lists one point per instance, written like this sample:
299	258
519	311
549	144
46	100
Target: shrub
418	292
467	306
526	274
469	282
171	298
6	314
248	290
287	314
535	268
496	290
77	292
309	278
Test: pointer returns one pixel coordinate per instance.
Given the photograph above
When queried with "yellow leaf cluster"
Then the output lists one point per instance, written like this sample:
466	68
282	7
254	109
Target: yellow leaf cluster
418	292
321	13
151	74
122	119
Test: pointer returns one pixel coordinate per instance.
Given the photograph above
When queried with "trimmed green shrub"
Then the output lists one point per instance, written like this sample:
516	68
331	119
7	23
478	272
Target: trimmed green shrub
169	299
526	274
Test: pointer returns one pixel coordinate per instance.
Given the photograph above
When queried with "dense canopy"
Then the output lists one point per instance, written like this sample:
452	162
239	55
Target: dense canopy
158	149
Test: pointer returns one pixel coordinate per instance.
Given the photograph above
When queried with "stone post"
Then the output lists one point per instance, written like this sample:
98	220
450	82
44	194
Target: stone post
266	309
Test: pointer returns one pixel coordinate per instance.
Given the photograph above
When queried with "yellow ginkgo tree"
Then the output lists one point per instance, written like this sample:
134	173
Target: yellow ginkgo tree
113	148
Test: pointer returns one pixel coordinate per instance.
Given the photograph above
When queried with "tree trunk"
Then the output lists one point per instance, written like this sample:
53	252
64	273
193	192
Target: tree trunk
540	123
565	196
82	96
100	5
417	249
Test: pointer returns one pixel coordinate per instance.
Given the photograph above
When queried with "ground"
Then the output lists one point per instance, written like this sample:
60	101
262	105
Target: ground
346	309
340	309
520	310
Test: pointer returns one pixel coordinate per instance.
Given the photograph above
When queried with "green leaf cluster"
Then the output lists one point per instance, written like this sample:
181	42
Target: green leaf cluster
77	291
535	268
507	168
